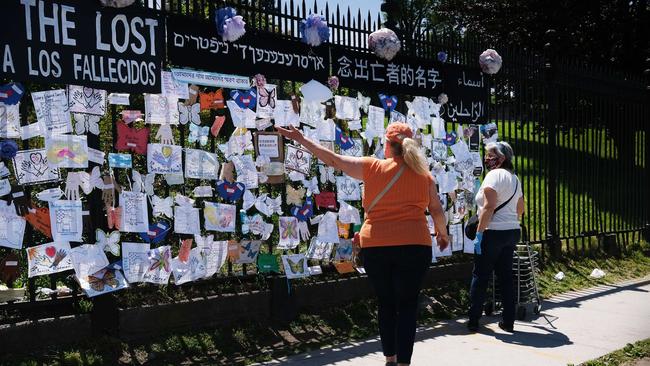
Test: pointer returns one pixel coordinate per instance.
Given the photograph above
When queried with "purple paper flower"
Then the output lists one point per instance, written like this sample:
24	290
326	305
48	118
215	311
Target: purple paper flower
260	80
442	56
384	43
230	26
333	83
490	61
314	30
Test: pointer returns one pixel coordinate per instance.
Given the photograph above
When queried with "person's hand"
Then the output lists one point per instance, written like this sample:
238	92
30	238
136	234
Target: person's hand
442	240
477	243
291	133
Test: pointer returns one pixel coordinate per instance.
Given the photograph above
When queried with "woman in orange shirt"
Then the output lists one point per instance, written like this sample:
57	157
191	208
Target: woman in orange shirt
395	238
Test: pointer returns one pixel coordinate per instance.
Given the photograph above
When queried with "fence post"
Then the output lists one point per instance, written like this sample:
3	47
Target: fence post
551	124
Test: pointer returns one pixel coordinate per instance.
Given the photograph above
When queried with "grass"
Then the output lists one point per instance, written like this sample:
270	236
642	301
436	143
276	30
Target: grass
625	356
249	342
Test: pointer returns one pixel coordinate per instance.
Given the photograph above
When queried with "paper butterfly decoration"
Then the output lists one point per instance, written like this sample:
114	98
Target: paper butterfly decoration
108	242
305	211
199	134
295	266
143	185
212	100
189	113
162	206
326	174
132	139
86	123
294	196
311	185
256	225
11	93
364	102
267	98
157	232
344	141
288	228
244	99
388	102
274	205
159	259
230	191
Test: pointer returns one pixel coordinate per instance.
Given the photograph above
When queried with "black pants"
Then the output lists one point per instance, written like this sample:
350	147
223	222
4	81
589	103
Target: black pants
396	273
497	248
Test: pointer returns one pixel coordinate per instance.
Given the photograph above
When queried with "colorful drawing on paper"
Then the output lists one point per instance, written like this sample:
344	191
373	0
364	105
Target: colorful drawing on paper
220	217
343	250
160	267
66	220
295	266
48	258
288	232
201	164
102	282
248	251
67	151
135	217
135	260
164	159
297	159
348	188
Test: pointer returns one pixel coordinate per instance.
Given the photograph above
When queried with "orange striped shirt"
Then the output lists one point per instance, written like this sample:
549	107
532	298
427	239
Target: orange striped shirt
398	218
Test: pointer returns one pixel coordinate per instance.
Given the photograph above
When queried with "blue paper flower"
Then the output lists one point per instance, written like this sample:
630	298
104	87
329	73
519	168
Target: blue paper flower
230	26
8	149
442	56
314	30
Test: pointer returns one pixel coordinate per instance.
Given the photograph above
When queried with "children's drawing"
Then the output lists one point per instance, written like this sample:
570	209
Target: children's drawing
297	159
161	109
295	266
219	217
10	120
88	259
48	258
86	100
200	164
160	267
191	270
12	229
67	151
248	251
164	159
246	170
52	111
348	188
66	220
135	217
438	150
186	220
215	252
289	238
266	100
343	250
102	282
135	260
355	150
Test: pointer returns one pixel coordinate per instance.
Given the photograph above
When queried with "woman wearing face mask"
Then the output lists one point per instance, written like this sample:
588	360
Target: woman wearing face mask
500	205
395	238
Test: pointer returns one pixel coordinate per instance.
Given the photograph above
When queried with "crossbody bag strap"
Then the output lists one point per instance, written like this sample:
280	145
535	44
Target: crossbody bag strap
386	189
509	199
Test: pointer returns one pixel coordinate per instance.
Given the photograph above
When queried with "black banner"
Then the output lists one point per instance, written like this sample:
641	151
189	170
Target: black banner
467	90
77	42
195	44
402	74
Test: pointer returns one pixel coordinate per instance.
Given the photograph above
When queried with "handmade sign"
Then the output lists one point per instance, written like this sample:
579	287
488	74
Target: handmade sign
131	139
135	217
108	242
52	111
215	252
267	263
192	269
200	164
161	109
164	159
269	144
297	159
102	282
467	90
219	217
186	220
266	100
284	114
248	251
48	258
348	188
66	220
67	151
117	160
31	166
10	120
88	259
343	250
83	99
12	229
295	266
159	265
157	232
326	199
135	260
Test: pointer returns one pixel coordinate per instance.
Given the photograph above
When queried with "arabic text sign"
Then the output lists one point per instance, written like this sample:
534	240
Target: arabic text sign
467	90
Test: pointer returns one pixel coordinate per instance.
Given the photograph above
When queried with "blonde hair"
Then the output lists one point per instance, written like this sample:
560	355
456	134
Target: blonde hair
413	156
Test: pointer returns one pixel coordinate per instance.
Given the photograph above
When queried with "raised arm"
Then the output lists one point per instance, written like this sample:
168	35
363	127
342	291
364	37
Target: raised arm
350	165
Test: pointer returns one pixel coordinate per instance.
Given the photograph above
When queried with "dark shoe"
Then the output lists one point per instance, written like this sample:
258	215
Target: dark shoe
472	326
391	363
507	328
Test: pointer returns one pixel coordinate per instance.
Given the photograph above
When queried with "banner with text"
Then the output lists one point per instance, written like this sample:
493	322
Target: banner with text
74	42
467	90
191	43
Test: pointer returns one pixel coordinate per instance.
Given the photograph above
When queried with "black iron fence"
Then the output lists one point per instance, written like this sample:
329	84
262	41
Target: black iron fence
579	131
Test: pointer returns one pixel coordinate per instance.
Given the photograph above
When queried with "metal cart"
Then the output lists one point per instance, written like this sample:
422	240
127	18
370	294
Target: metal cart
525	266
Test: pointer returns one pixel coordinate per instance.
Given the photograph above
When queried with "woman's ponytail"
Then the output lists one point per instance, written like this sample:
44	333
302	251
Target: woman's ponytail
413	156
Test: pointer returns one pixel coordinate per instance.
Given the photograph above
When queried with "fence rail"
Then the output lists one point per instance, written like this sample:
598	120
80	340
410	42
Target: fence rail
579	131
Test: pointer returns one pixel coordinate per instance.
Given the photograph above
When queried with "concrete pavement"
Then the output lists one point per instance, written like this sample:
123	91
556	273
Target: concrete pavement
572	328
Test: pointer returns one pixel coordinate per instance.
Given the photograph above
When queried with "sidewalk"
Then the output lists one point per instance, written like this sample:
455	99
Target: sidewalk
573	328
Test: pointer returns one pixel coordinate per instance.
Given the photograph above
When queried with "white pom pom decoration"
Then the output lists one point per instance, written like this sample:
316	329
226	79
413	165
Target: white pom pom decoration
384	43
490	61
